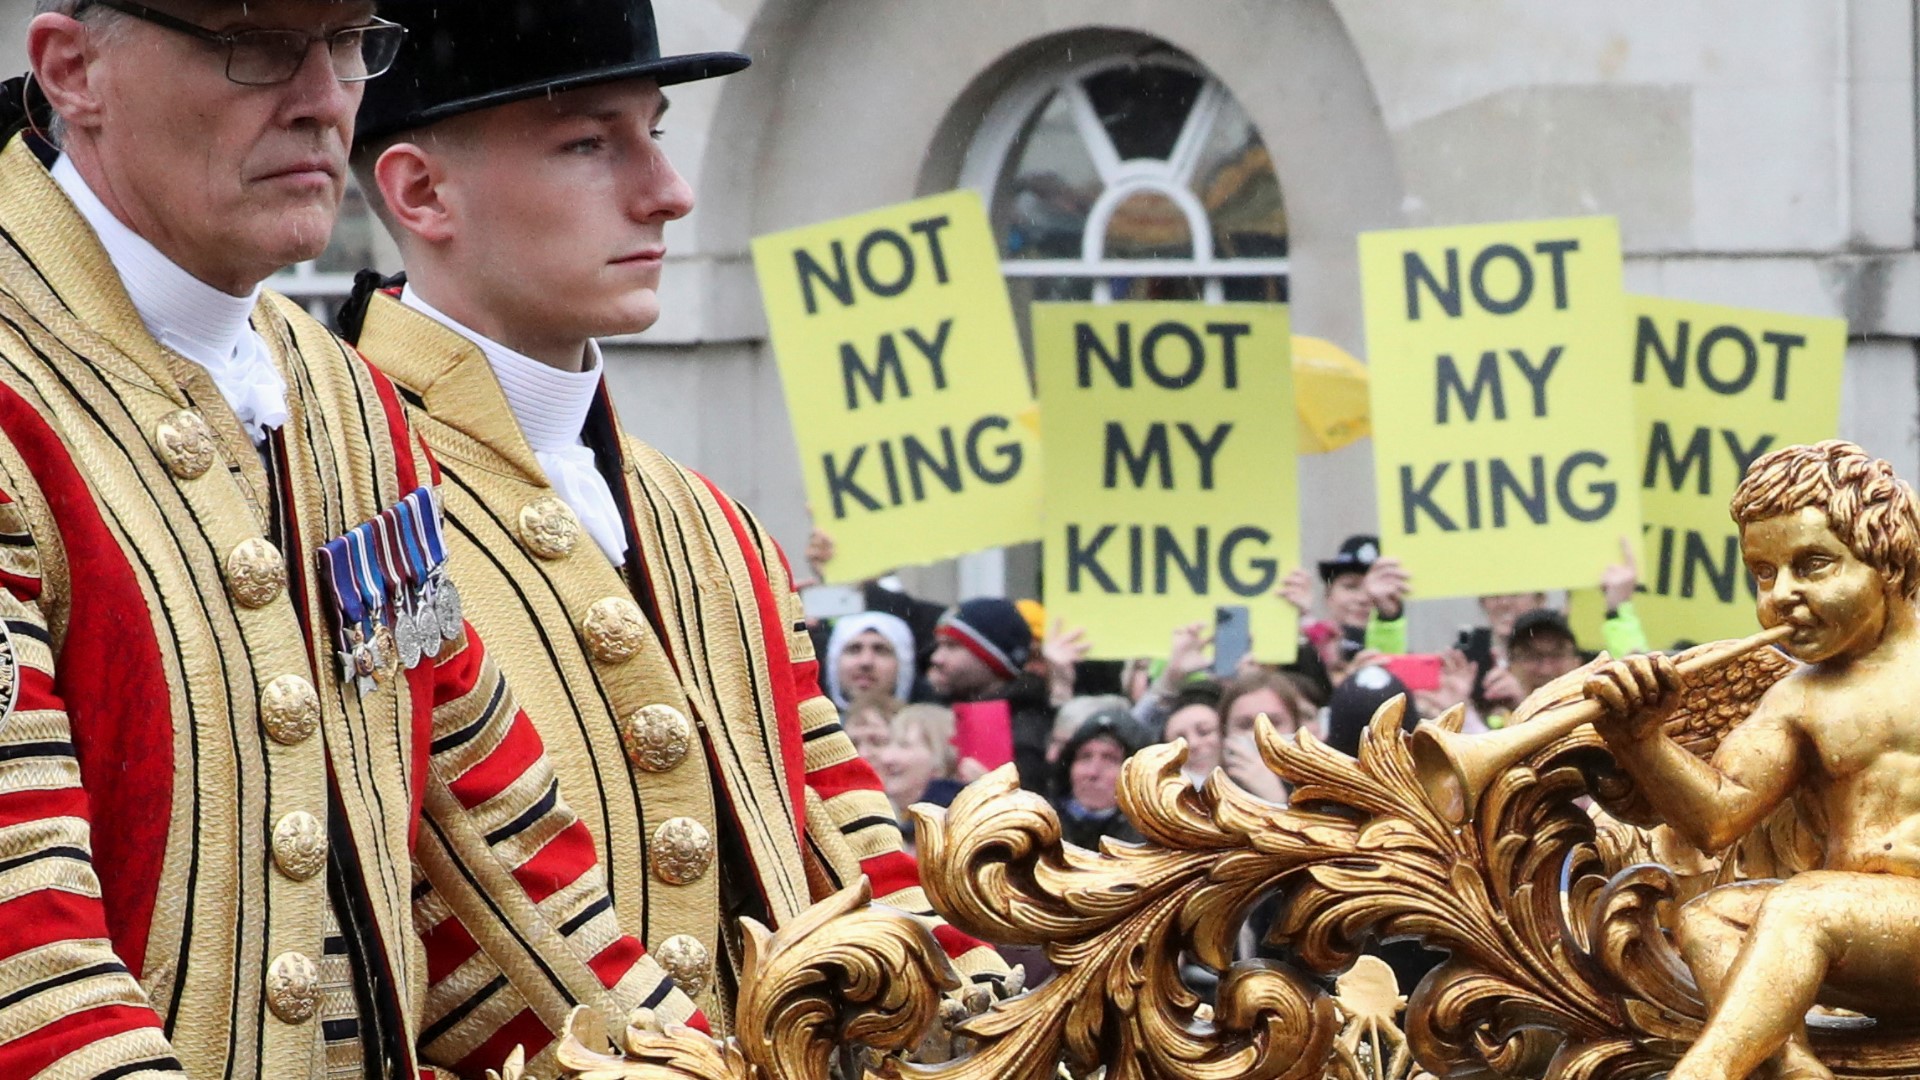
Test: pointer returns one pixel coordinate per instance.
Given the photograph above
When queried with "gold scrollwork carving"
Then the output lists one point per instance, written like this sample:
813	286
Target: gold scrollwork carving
842	971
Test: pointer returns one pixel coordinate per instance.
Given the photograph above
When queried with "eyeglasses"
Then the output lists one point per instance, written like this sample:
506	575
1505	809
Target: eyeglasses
267	57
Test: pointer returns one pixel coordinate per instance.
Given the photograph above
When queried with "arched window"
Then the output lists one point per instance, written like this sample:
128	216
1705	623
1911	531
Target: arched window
1130	175
1133	177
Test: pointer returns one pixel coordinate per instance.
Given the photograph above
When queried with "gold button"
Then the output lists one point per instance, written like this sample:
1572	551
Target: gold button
688	961
299	845
548	527
682	851
185	443
290	710
256	573
658	738
615	629
293	987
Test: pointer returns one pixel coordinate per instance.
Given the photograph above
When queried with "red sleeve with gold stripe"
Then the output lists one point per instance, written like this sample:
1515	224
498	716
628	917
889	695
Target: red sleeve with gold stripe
68	1004
509	897
850	822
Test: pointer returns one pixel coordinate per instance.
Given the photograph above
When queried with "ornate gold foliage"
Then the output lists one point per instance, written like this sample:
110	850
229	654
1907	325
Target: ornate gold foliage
1558	967
843	972
1554	917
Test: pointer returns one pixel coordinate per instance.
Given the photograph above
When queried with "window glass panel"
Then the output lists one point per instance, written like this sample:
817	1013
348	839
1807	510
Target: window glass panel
1143	107
1236	183
1040	206
351	248
1024	292
1149	225
1170	288
1269	290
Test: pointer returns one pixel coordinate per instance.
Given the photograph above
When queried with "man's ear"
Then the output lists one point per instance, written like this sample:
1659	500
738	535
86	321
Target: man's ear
410	180
61	55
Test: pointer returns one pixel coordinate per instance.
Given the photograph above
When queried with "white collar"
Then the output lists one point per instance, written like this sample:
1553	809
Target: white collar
551	405
182	312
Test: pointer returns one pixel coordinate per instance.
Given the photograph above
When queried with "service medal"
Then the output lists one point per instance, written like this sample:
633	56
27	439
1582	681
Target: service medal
386	651
448	605
406	636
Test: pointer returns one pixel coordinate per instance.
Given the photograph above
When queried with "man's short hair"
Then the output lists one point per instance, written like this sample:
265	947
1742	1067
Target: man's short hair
1541	625
102	20
1869	508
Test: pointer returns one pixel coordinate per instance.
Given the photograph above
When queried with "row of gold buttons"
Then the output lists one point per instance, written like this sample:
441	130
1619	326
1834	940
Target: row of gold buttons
289	708
657	737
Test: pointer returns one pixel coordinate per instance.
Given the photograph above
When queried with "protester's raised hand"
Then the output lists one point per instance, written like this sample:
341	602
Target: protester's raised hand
1191	651
1063	650
1248	664
1619	582
1387	584
1242	761
1458	674
1297	590
819	552
1501	688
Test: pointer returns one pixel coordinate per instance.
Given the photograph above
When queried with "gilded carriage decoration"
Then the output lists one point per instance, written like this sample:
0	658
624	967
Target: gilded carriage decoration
1591	932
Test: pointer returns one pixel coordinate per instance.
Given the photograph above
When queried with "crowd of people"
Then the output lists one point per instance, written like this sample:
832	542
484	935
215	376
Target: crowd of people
906	672
902	670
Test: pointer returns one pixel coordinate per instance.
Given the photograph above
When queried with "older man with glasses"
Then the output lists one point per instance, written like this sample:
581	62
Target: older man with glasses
244	831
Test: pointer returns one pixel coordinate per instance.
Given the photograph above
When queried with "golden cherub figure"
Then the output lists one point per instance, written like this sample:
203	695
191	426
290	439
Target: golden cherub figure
1832	538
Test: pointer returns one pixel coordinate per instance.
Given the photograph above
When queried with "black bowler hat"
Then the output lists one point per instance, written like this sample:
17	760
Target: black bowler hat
1356	556
463	55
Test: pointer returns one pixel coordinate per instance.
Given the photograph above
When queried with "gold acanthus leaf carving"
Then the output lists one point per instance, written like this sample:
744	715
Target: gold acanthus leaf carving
843	971
1361	854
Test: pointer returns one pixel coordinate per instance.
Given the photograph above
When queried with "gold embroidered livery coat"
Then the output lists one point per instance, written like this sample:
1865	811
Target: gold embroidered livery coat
189	796
678	696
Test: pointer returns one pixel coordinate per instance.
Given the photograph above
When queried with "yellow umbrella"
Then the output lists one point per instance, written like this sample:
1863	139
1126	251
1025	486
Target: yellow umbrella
1330	394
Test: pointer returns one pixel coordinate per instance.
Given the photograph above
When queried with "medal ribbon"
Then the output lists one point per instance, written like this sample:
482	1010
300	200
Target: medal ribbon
428	510
336	566
367	572
386	532
414	540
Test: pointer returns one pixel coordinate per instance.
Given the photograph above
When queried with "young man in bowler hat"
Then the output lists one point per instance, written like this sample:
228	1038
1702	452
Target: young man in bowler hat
645	618
296	873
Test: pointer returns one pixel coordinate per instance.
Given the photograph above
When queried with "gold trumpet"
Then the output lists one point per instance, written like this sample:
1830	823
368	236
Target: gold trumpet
1455	769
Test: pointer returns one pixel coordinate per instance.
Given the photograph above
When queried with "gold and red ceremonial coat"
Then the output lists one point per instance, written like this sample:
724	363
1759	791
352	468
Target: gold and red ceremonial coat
704	720
187	790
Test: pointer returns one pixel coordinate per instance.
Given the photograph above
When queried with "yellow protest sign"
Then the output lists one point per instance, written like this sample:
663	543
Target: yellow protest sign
1502	413
1170	474
1714	388
904	380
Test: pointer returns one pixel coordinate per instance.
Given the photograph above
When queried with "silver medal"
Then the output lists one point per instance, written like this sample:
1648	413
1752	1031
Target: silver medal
447	604
406	636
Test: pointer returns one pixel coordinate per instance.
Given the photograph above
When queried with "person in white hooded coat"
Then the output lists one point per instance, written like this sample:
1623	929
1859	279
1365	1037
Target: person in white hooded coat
871	650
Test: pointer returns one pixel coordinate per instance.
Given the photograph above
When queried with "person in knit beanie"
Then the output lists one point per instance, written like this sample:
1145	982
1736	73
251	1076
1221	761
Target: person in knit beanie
980	654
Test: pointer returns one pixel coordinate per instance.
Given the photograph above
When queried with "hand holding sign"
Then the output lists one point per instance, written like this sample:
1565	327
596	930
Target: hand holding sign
1387	584
1619	582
